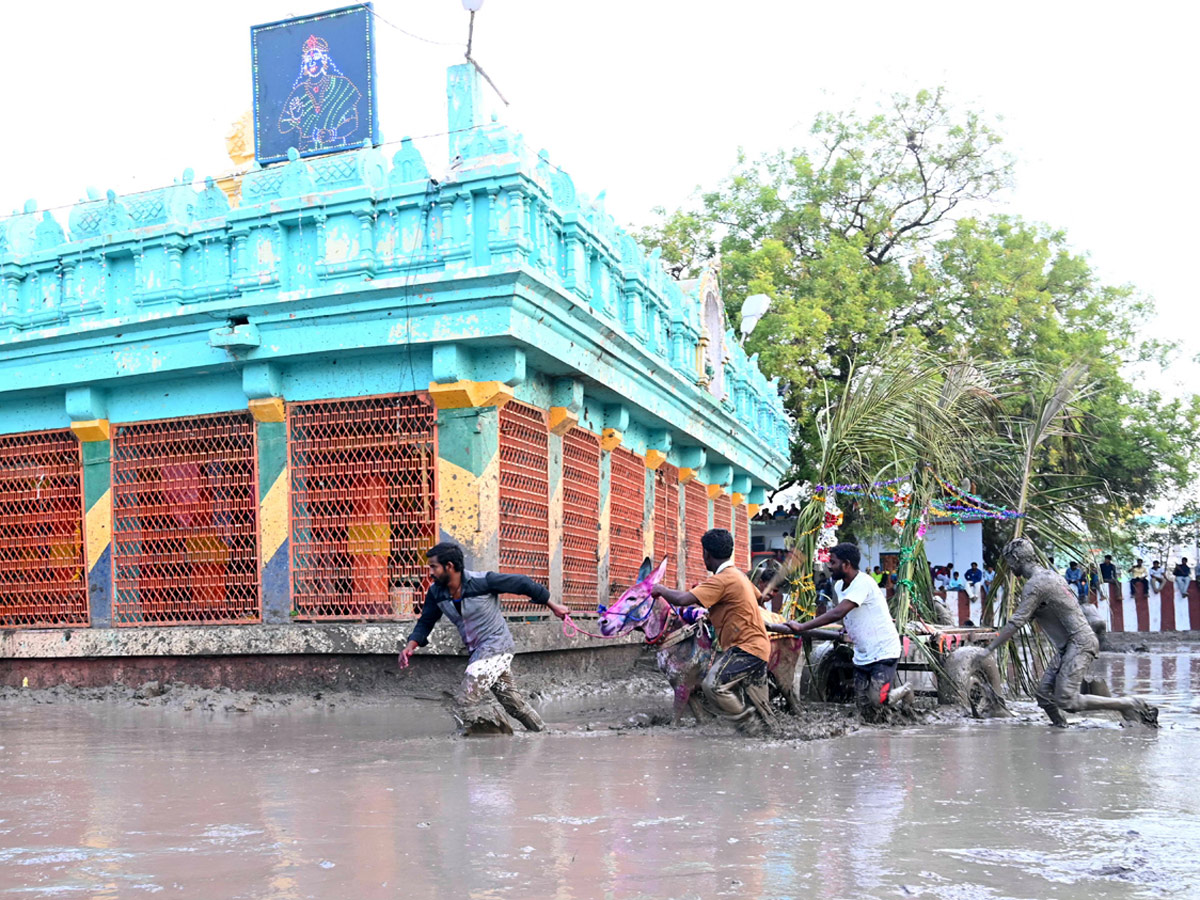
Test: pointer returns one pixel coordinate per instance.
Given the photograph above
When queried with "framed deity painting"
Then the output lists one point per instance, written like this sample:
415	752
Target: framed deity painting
314	83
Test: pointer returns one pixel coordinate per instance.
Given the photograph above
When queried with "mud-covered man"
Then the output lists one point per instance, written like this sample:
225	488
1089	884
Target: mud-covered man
736	684
863	608
471	600
1047	600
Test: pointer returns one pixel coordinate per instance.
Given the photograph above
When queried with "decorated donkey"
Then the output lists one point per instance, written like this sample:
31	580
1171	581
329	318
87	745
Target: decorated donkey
685	648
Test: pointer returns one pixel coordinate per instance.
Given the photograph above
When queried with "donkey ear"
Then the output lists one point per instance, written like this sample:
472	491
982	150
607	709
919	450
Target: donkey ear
660	571
645	570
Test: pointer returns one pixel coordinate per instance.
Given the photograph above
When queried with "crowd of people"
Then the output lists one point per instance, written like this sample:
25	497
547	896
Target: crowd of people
766	514
977	582
1149	580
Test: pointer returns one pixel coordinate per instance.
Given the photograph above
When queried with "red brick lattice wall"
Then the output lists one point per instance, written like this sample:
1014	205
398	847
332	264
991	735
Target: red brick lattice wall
741	537
627	496
666	521
364	500
581	519
42	577
185	522
524	496
723	513
695	511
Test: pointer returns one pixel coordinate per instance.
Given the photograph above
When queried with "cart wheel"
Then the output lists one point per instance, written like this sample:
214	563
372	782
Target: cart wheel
829	674
970	677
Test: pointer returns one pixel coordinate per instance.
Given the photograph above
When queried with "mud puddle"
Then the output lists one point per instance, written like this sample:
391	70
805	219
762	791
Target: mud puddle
372	798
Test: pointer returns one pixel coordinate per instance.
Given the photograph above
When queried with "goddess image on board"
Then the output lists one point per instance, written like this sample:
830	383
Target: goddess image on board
323	104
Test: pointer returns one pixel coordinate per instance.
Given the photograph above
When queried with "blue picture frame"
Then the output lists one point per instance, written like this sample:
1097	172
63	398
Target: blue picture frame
314	83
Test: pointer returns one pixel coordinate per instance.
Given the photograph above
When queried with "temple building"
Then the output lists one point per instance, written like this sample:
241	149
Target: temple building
259	402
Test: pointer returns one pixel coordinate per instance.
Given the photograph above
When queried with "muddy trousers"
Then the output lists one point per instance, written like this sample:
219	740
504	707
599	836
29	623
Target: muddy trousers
736	688
873	687
1060	687
494	674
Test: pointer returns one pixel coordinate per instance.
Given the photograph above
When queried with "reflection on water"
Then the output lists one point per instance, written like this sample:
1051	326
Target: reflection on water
114	803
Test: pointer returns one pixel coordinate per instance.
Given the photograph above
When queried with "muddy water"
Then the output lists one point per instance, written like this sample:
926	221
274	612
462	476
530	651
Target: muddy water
112	802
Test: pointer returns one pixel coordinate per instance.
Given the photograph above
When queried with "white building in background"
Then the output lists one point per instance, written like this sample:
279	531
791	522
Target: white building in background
945	542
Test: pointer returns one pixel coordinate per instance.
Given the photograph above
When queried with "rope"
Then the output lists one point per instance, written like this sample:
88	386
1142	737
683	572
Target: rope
570	630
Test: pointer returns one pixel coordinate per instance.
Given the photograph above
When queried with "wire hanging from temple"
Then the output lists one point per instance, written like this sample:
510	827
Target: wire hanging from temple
403	31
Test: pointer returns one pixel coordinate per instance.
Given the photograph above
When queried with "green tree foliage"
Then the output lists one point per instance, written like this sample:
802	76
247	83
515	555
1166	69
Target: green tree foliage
878	234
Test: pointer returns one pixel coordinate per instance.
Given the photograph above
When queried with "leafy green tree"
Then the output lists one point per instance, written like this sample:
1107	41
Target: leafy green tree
876	235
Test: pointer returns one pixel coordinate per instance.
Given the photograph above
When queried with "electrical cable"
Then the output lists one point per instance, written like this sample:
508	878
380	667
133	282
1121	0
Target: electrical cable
410	34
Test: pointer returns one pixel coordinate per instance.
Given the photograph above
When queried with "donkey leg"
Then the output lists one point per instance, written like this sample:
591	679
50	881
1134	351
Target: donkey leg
784	674
681	701
696	704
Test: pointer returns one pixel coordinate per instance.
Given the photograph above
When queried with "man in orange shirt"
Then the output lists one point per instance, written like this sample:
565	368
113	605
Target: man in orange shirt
736	684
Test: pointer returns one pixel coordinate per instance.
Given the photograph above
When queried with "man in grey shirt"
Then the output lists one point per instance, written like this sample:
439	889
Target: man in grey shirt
1047	600
471	601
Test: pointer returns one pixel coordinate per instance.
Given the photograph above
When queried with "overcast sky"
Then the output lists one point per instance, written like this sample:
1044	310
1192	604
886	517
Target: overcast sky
650	98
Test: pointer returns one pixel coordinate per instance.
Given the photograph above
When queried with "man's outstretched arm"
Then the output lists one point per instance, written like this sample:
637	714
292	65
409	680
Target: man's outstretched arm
828	617
506	583
1023	613
1003	636
674	597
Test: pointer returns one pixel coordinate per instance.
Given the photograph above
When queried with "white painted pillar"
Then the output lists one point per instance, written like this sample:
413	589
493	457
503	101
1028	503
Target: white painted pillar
1129	607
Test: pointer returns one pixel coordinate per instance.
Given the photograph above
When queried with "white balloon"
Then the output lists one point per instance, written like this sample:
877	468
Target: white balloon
472	5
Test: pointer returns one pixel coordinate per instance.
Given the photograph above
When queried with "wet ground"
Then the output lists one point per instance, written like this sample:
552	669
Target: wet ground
374	800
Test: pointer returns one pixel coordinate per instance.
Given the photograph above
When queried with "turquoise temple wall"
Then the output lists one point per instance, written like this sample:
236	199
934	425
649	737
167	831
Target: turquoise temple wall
352	275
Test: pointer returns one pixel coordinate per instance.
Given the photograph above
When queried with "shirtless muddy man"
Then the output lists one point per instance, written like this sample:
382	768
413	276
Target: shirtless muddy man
1047	600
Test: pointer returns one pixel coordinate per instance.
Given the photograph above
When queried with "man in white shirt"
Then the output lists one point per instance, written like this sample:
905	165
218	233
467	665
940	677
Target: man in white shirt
1157	577
868	622
989	575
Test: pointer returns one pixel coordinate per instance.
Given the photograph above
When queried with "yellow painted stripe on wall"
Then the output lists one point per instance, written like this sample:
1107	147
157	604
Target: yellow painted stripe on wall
273	517
458	502
98	523
369	539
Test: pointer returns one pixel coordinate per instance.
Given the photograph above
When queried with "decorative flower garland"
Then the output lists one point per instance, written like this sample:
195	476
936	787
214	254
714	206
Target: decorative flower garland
901	505
834	517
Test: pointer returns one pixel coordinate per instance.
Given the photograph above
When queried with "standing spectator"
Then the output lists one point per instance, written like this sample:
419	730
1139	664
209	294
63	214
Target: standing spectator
793	511
1077	581
1157	577
1137	575
878	574
1183	577
779	513
1108	570
942	580
973	577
